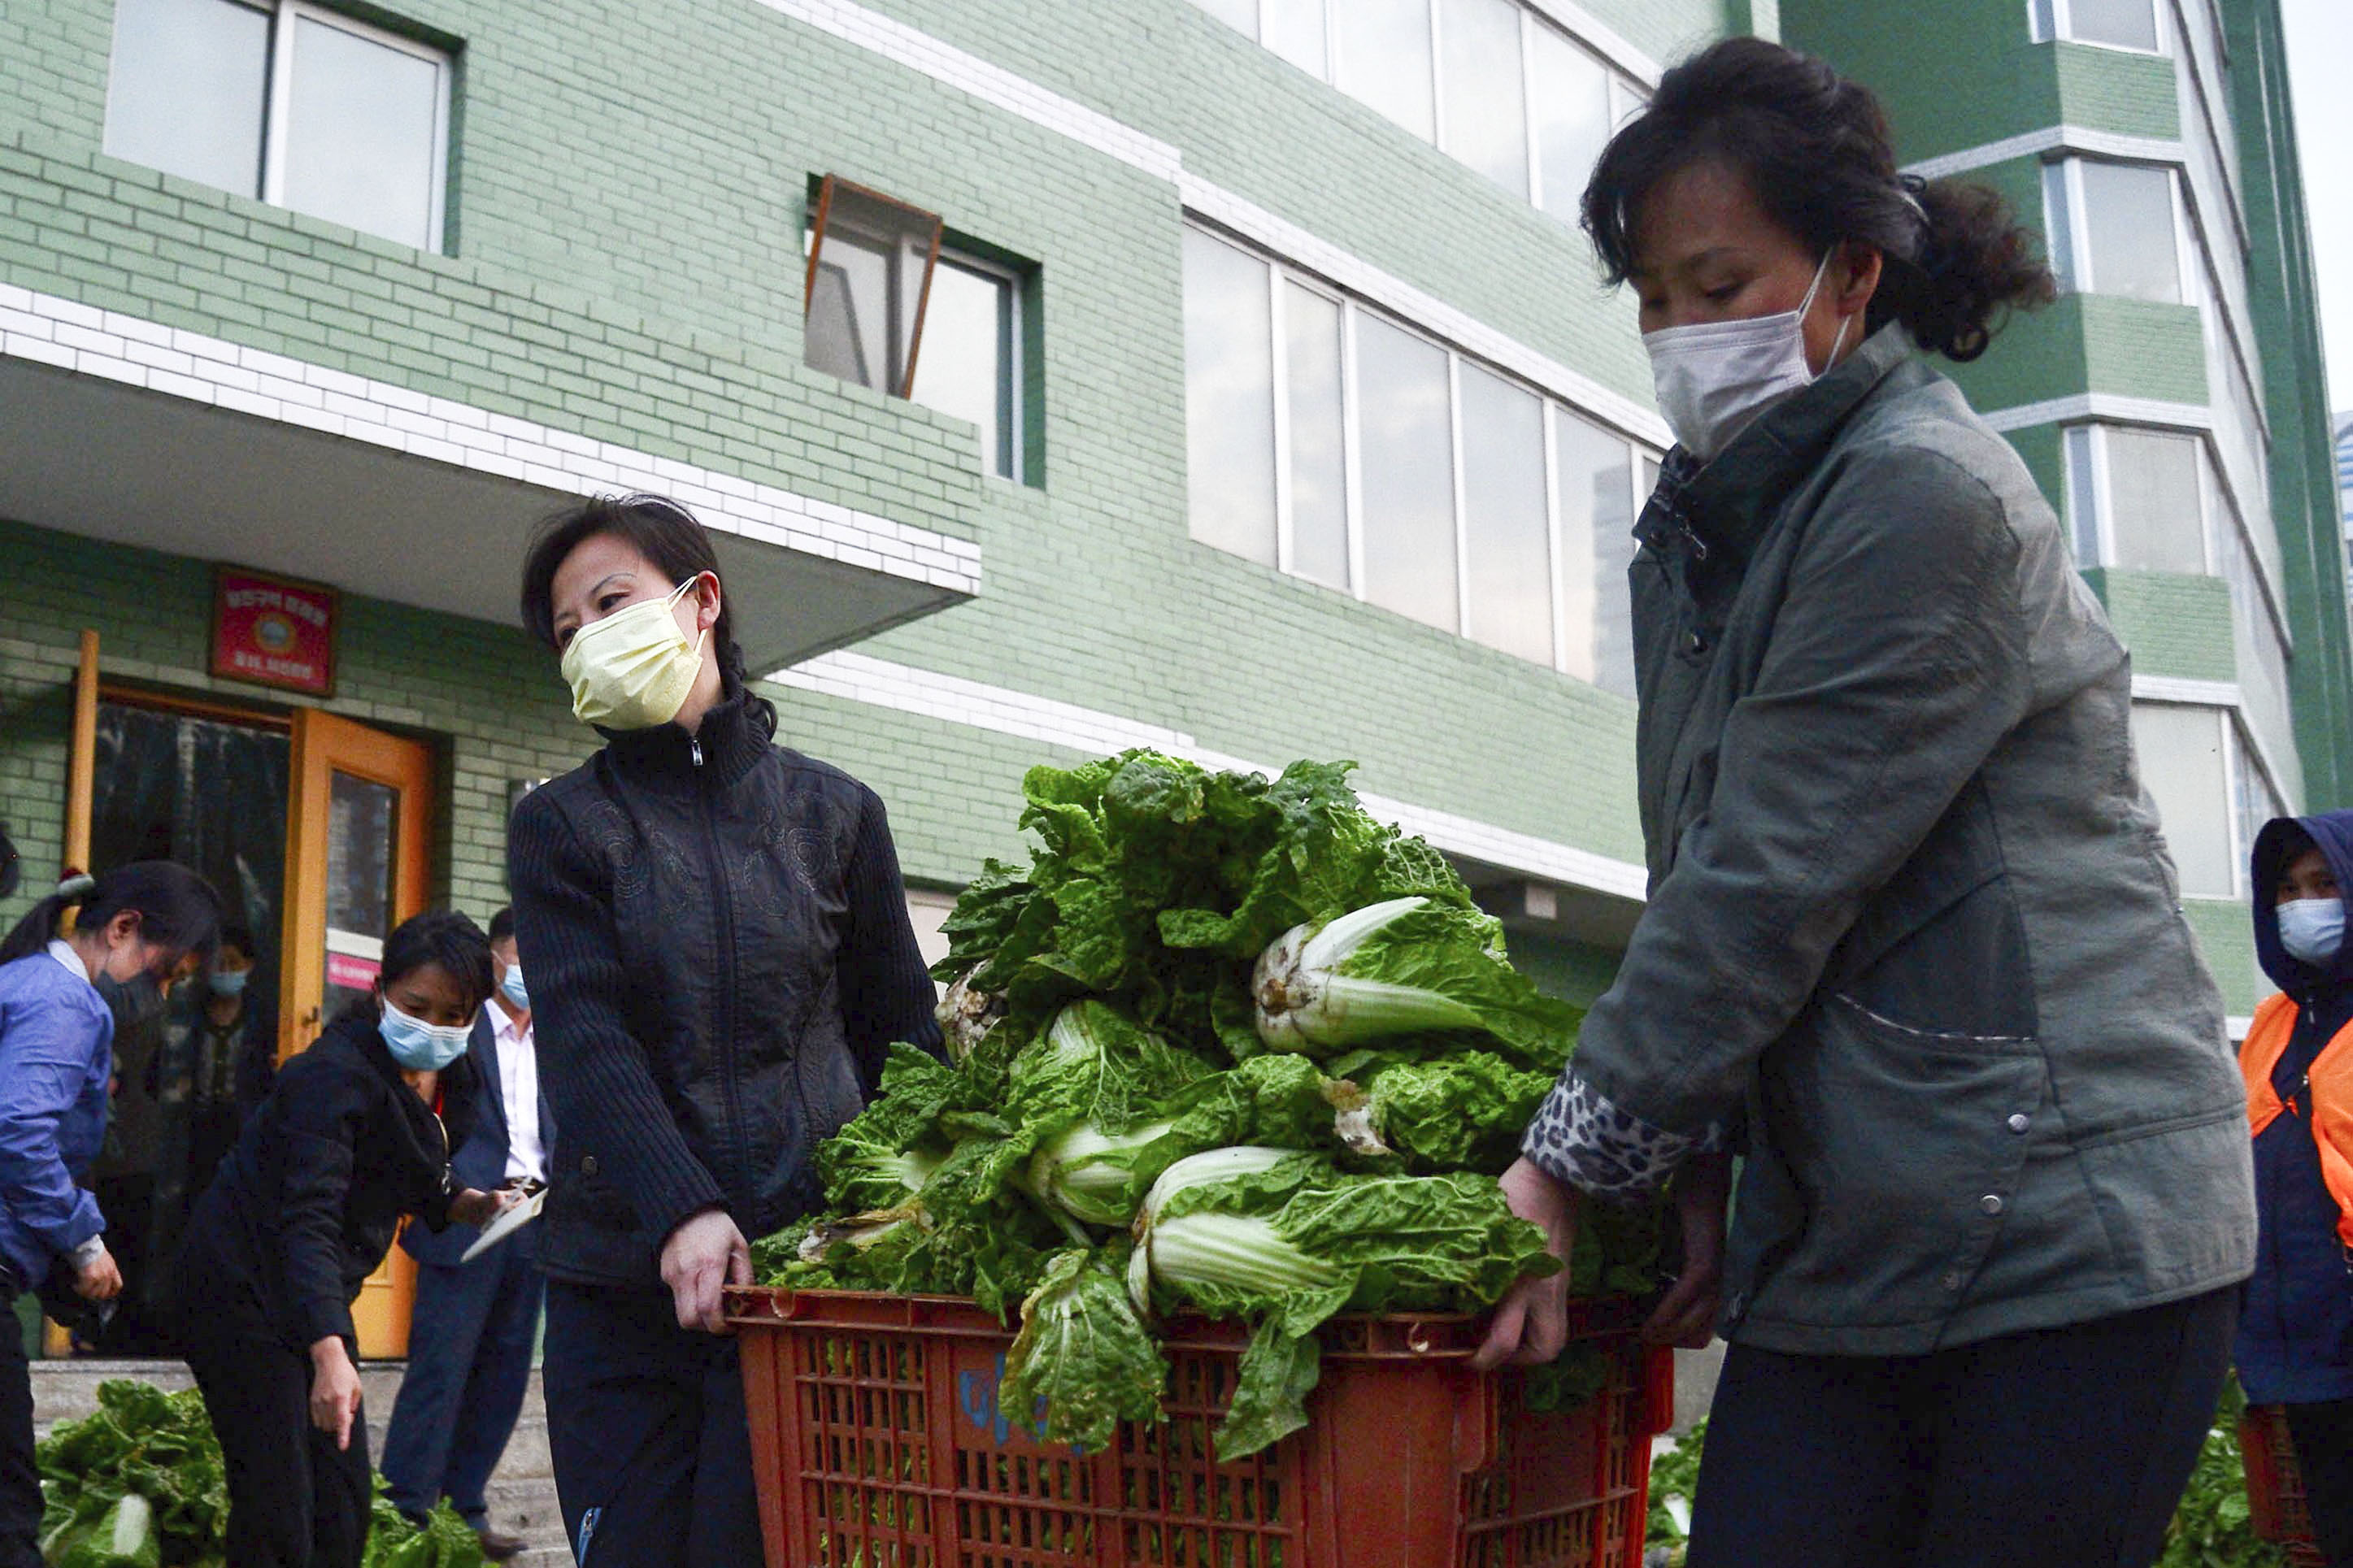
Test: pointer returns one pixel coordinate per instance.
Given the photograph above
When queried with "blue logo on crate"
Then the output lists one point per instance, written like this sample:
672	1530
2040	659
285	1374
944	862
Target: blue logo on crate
976	1391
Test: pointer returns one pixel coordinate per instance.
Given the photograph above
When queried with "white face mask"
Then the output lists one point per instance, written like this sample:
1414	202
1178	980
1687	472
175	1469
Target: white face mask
1714	377
632	670
2312	929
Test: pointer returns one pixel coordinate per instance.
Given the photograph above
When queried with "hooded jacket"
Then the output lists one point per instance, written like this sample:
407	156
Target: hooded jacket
2296	1327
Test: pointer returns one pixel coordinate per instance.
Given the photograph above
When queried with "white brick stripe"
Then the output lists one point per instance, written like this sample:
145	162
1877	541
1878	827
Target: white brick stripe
47	329
2102	406
861	678
1474	337
2051	139
952	66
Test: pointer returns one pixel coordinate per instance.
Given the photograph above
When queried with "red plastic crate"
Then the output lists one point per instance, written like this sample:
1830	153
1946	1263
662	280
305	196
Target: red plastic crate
2276	1486
878	1443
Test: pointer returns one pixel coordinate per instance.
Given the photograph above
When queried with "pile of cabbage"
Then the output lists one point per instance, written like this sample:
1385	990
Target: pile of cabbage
139	1483
1227	1046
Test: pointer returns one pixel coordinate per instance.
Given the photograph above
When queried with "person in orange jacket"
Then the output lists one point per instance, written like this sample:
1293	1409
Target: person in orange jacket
2296	1327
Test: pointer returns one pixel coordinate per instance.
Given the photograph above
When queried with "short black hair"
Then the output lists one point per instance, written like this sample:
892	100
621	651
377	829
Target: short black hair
503	924
233	935
447	937
1816	150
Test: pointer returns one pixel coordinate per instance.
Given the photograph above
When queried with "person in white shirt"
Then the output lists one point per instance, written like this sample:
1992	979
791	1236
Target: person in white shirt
473	1324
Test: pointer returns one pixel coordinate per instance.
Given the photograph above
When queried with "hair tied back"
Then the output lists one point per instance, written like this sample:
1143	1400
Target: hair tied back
80	885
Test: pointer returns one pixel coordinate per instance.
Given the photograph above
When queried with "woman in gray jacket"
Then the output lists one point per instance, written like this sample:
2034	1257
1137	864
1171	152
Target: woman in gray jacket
1913	946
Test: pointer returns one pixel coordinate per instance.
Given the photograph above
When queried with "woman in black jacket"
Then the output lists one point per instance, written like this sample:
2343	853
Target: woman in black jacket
720	954
355	1133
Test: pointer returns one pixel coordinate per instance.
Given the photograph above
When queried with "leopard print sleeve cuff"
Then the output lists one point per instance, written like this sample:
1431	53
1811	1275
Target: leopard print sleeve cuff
1580	1138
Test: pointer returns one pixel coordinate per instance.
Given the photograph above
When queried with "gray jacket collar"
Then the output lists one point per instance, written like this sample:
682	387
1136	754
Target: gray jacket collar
1720	507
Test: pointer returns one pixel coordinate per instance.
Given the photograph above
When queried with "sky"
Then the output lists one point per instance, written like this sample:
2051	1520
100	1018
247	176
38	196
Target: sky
2320	47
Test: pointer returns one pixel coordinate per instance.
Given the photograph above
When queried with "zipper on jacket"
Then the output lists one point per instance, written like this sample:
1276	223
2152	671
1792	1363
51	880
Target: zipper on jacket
717	867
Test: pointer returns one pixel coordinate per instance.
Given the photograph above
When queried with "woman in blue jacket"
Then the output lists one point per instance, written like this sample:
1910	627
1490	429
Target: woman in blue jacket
2295	1329
135	927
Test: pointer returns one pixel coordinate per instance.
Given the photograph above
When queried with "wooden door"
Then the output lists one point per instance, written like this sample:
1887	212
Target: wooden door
357	862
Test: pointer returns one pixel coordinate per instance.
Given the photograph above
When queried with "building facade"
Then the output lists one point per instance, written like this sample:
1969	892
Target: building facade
1226	377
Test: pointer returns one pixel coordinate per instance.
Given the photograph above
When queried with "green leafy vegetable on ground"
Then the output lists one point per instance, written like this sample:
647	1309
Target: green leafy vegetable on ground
139	1483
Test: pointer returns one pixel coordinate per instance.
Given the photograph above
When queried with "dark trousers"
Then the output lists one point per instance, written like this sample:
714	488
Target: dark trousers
2061	1447
646	1425
294	1500
469	1341
2322	1435
20	1482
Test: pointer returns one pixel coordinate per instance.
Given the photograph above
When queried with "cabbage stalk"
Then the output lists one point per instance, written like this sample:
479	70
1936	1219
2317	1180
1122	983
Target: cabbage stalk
1092	1174
1307	1004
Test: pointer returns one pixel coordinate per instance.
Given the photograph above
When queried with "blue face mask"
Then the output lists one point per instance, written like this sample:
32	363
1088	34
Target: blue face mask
512	988
228	983
2312	929
421	1047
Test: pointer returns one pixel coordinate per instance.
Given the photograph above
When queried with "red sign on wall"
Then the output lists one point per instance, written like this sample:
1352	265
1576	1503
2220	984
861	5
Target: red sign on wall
273	632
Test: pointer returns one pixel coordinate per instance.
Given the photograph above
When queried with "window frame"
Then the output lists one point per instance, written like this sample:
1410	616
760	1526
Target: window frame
267	185
274	136
2065	212
1016	369
2094	434
2053	22
1281	273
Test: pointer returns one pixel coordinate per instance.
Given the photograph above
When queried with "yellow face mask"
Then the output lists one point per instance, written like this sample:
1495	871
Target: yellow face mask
632	670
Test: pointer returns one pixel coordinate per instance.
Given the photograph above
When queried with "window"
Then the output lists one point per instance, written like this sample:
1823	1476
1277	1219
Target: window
2116	228
1337	444
2186	769
972	356
2138	498
1485	88
2119	24
1408	460
299	107
1574	120
1490	81
871	259
1385	50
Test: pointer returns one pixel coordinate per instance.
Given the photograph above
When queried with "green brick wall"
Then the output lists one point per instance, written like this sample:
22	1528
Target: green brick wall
2176	626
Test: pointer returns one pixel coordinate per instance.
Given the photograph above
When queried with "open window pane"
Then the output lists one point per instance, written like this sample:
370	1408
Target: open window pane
1229	399
189	89
2154	505
1385	61
1486	89
870	275
2127	24
1406	458
1504	516
1597	544
967	365
2127	220
361	142
2180	754
1319	467
1572	120
1295	30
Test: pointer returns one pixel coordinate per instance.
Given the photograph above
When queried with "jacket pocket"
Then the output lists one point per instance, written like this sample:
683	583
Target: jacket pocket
1898	1143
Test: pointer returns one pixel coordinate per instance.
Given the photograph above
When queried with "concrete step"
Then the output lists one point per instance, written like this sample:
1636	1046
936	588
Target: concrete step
522	1493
